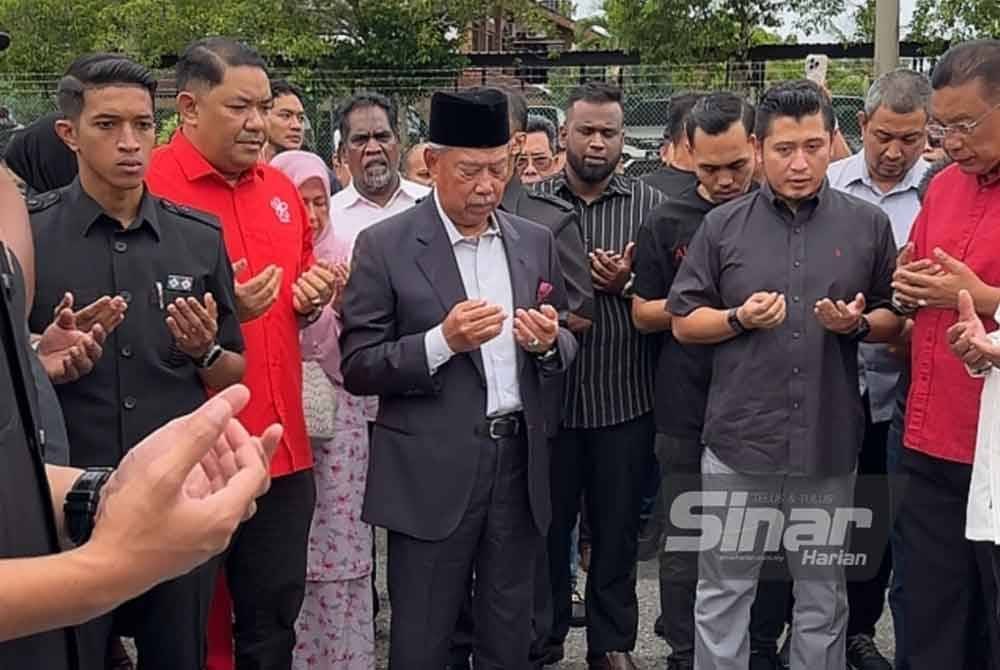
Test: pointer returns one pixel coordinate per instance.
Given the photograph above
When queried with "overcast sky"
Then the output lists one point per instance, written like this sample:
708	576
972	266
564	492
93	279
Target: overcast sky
588	7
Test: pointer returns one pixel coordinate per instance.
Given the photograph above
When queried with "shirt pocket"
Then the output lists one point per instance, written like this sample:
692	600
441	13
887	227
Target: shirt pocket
166	291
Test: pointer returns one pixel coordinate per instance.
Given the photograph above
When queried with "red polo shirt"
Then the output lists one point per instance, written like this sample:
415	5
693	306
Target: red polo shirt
961	215
263	221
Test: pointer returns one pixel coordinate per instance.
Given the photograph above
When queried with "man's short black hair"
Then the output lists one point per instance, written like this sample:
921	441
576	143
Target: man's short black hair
517	109
540	124
795	99
979	59
205	61
595	92
361	101
680	106
97	71
280	87
715	113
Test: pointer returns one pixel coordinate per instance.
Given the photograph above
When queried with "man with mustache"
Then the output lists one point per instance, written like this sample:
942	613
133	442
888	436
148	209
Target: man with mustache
369	137
451	316
224	97
886	173
607	432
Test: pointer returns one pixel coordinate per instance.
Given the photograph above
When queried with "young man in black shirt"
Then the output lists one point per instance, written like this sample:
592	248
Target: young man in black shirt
677	174
719	133
106	235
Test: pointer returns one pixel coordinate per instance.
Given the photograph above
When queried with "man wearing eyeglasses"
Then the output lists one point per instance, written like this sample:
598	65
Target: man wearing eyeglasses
948	529
369	131
537	160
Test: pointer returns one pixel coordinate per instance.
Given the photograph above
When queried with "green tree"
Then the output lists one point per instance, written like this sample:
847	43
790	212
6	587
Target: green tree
693	30
940	21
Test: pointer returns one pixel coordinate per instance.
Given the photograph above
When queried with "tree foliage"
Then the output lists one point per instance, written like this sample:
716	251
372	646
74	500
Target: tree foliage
392	34
672	31
955	20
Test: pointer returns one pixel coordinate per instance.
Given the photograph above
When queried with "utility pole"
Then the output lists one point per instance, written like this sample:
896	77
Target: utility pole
886	36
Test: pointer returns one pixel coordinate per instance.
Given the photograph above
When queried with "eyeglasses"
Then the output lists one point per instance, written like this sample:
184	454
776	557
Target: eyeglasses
937	131
541	163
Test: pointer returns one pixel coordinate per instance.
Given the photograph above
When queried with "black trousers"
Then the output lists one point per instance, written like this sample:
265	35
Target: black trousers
168	623
266	571
607	465
680	469
866	592
950	613
498	540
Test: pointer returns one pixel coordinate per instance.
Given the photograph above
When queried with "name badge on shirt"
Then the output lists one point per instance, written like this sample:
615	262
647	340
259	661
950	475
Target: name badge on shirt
281	210
180	283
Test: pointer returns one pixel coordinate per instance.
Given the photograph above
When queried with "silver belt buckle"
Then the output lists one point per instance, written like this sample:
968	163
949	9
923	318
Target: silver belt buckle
496	421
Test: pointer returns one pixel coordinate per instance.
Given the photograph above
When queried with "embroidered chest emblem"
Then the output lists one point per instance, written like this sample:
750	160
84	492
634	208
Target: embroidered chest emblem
180	282
281	210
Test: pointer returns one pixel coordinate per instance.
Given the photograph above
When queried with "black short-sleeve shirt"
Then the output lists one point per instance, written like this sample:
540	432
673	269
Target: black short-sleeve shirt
142	380
671	181
684	371
786	400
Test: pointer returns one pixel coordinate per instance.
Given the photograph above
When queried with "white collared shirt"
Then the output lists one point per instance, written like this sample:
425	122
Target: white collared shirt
482	263
351	212
901	204
982	517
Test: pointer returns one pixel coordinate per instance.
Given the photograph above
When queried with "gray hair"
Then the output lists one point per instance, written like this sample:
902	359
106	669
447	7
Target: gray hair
540	124
902	91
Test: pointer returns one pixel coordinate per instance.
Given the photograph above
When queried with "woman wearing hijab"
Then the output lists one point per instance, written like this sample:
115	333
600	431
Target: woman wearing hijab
335	629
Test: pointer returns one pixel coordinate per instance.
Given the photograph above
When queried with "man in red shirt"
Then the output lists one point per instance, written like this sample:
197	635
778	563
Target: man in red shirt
953	246
212	164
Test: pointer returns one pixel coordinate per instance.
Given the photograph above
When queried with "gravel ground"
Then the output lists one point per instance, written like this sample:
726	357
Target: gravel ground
650	652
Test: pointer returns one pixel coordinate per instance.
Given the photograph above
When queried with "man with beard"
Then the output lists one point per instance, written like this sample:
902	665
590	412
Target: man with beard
886	173
369	136
607	432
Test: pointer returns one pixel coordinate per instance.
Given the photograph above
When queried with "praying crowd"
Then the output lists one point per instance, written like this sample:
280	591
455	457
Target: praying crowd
227	360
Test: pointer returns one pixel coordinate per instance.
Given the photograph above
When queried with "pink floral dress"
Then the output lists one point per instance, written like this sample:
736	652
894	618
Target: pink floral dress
335	630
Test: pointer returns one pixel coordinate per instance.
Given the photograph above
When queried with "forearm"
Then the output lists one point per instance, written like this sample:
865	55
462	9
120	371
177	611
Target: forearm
577	324
226	371
705	325
49	592
886	326
650	316
986	299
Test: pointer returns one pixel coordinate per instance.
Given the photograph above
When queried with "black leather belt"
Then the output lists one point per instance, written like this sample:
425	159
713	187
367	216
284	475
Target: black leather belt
500	427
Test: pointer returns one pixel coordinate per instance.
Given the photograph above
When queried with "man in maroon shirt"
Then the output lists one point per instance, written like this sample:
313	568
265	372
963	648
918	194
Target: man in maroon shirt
953	246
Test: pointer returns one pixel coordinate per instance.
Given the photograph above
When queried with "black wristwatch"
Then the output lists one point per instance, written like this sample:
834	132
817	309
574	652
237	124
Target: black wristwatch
733	319
546	356
211	356
861	332
82	502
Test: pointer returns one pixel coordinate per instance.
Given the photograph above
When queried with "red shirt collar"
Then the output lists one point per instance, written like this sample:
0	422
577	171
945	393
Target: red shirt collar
195	166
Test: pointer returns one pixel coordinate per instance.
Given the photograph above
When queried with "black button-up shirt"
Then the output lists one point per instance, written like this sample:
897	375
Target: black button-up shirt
612	379
786	400
27	525
143	380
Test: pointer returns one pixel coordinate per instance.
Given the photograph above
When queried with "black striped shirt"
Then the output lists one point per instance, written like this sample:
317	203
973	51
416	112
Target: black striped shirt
612	379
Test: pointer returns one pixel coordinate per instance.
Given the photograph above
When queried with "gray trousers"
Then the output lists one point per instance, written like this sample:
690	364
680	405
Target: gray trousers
728	577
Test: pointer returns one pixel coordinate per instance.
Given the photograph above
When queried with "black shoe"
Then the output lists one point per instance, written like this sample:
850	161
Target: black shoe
578	611
862	654
658	627
764	661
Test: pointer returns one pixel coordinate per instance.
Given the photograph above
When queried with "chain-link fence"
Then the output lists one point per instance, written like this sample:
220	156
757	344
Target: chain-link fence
647	91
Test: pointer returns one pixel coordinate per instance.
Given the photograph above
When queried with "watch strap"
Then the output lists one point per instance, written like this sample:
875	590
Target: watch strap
733	319
82	503
210	357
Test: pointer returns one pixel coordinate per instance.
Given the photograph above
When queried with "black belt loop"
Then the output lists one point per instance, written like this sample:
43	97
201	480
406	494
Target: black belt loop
502	427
